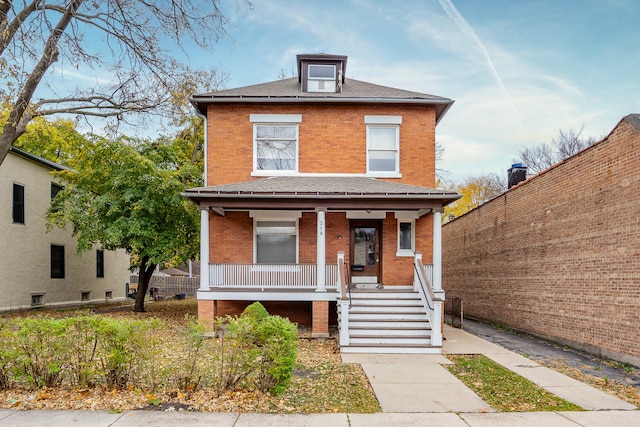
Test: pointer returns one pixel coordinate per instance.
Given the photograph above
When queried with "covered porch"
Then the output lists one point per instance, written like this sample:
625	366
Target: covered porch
322	218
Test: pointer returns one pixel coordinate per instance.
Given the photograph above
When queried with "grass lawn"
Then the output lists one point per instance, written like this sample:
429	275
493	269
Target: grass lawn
502	389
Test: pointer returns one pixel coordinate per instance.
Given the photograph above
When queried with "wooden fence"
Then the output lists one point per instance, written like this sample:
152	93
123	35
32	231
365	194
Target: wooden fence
162	287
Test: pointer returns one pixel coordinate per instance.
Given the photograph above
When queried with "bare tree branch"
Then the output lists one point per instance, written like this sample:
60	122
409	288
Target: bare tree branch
543	156
14	126
142	76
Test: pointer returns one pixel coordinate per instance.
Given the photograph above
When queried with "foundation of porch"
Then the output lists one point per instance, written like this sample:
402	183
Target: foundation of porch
317	314
320	322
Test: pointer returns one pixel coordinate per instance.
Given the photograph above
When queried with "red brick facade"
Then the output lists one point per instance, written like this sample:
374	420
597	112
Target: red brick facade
559	255
332	139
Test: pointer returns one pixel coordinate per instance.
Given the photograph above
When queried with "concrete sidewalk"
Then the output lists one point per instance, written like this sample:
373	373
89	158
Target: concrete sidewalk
35	418
413	390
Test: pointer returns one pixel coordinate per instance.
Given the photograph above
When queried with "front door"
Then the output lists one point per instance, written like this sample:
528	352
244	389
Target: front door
365	251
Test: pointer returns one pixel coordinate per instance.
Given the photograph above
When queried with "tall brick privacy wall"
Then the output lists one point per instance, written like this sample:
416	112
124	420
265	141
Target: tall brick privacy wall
559	255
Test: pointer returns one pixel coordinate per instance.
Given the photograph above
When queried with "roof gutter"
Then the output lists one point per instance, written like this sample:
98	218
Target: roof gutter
197	101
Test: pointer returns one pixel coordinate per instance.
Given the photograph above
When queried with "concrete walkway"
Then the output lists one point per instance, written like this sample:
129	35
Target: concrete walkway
413	390
419	383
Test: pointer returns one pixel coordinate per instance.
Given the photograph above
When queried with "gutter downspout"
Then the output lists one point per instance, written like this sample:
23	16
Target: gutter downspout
204	221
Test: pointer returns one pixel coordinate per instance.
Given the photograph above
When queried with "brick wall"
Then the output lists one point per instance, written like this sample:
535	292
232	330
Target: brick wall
332	140
299	312
559	255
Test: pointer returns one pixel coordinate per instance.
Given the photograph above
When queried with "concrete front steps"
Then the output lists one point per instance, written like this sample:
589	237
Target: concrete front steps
389	320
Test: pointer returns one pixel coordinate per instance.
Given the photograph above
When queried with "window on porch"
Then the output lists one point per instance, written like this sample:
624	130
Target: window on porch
276	242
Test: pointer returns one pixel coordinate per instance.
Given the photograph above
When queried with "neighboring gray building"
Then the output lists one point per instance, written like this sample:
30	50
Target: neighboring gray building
40	268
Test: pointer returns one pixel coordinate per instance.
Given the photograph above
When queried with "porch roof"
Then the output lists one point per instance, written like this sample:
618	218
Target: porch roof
332	192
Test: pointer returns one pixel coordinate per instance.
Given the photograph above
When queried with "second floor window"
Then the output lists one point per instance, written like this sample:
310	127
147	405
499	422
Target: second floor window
18	203
275	143
55	189
383	145
276	147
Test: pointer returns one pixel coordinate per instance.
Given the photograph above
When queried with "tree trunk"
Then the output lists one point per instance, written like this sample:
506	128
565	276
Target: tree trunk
144	277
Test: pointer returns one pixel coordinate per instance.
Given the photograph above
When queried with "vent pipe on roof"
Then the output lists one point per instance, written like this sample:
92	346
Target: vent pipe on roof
517	173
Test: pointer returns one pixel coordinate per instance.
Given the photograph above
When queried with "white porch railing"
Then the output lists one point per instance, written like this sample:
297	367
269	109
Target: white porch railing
270	276
423	278
344	299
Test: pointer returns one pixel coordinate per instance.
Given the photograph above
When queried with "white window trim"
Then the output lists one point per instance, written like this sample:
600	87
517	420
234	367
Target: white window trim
385	174
275	119
275	218
406	252
384	121
333	66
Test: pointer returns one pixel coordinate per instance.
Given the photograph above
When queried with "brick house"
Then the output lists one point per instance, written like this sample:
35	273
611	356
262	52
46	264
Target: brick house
558	255
319	201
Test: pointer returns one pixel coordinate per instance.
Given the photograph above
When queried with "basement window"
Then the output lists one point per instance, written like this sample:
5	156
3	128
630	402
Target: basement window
37	300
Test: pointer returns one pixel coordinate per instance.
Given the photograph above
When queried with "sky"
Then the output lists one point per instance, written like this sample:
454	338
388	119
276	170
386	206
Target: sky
518	71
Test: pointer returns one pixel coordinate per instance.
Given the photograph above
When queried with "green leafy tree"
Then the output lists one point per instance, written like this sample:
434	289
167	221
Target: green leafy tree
56	140
126	194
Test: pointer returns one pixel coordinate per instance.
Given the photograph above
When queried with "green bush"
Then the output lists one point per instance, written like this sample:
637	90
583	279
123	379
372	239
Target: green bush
188	371
7	355
124	349
82	339
41	351
255	311
256	351
269	344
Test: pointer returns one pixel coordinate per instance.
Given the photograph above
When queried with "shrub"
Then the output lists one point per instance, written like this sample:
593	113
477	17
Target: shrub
188	370
123	348
41	351
7	355
278	340
82	339
269	346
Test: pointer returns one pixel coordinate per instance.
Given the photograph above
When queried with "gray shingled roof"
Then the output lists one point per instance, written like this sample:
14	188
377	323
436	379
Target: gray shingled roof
289	91
291	88
329	186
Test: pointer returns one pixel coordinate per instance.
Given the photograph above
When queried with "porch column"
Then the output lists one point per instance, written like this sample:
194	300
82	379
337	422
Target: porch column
437	250
321	261
204	250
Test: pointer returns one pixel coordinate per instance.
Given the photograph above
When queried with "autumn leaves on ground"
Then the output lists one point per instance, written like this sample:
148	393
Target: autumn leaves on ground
320	382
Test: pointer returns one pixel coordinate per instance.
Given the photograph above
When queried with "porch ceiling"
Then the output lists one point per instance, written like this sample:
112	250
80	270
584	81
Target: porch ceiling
331	192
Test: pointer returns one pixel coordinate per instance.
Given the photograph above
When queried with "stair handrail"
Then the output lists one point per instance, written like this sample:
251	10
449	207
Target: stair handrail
423	285
345	299
343	278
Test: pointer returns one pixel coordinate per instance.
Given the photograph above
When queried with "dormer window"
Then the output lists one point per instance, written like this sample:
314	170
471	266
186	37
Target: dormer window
322	78
321	72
